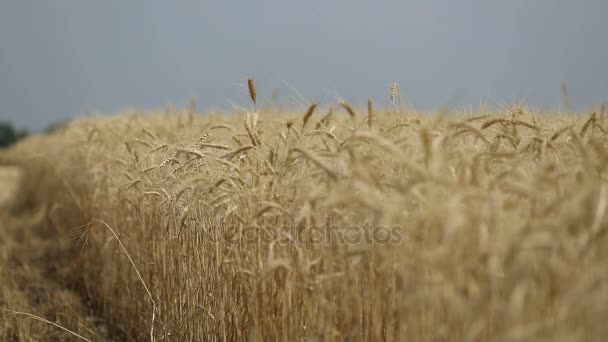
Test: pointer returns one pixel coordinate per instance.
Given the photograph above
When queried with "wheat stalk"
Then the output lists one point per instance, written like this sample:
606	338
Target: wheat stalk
251	134
138	275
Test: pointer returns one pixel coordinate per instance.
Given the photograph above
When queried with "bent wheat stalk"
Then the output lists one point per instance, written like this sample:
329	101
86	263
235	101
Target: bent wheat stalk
38	318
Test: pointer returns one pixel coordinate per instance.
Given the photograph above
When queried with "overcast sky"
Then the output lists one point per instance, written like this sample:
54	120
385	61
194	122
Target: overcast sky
62	58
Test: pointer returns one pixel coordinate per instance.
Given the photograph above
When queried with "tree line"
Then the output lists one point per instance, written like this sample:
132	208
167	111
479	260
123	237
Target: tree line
10	135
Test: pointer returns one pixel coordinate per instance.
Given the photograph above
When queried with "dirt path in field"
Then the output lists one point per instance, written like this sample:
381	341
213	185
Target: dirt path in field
31	280
10	176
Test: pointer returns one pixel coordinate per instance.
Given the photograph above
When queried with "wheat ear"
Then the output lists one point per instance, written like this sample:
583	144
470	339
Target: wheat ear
252	93
308	114
348	108
587	124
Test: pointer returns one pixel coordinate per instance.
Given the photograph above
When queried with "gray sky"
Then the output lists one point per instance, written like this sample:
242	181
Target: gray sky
62	58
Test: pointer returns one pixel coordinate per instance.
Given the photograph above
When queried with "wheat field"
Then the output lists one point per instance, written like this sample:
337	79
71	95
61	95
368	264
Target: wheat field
333	224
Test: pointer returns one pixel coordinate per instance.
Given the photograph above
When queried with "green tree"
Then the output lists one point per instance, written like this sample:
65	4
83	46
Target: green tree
8	134
56	126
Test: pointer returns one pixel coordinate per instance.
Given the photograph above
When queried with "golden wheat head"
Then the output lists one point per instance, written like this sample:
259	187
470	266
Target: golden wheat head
308	114
252	93
348	109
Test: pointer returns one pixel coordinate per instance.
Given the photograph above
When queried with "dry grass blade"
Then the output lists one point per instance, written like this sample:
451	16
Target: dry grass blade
38	318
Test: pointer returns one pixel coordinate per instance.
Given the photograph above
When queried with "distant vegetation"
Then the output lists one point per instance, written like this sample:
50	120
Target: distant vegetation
56	126
9	135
